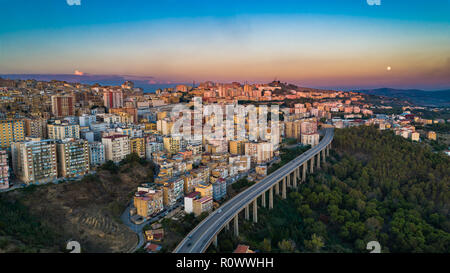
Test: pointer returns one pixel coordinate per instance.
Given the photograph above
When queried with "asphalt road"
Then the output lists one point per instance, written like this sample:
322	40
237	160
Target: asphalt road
199	238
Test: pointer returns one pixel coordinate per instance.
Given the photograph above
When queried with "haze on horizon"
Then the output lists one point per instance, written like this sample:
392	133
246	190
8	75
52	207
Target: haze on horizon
324	44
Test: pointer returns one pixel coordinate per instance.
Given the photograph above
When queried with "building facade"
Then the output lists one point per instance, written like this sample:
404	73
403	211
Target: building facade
73	157
117	147
63	105
96	153
35	161
62	130
4	170
11	130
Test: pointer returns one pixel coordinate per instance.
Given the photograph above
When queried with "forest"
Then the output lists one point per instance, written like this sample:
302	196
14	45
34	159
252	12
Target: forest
375	187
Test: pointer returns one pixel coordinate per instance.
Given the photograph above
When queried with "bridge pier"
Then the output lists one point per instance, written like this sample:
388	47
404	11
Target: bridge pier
271	198
277	187
295	178
236	225
263	199
304	171
215	241
247	212
227	226
255	210
283	194
323	155
288	180
318	160
311	162
328	149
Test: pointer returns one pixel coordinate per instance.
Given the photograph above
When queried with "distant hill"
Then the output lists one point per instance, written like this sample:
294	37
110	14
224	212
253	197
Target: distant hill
147	83
419	97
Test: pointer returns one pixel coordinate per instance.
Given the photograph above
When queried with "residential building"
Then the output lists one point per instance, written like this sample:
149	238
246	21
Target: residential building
259	151
11	130
4	170
205	189
189	201
62	130
117	147
63	105
219	189
73	157
137	146
173	190
36	128
237	147
34	161
153	147
201	205
173	144
86	120
96	153
243	249
148	203
113	98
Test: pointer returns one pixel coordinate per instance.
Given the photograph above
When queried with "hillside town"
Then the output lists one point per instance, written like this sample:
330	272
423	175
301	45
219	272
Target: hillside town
58	131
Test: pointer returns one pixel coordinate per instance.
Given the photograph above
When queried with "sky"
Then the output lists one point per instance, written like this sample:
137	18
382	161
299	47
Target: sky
317	43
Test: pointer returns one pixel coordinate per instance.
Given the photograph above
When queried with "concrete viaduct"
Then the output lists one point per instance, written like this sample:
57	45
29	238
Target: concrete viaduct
289	175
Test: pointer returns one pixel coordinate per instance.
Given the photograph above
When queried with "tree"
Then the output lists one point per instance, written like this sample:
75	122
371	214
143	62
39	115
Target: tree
266	245
315	244
286	246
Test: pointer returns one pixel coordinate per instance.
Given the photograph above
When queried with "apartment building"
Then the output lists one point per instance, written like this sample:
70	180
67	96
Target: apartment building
62	130
172	145
73	157
4	170
113	98
36	128
148	202
117	147
96	153
34	161
153	147
189	201
173	190
201	205
219	189
190	182
205	189
63	105
137	145
237	147
259	152
11	130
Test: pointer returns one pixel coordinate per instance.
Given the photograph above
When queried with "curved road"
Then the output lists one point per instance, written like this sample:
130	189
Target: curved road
200	237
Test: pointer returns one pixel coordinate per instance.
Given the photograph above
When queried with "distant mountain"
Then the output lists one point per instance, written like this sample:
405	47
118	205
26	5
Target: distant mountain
419	97
147	83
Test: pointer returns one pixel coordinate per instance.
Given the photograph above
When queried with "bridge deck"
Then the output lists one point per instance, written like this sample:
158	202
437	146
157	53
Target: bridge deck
201	236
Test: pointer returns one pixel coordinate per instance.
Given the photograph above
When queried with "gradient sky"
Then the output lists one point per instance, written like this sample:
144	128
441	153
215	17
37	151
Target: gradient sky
315	43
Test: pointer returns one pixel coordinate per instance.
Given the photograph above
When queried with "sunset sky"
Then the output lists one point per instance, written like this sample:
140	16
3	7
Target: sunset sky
315	43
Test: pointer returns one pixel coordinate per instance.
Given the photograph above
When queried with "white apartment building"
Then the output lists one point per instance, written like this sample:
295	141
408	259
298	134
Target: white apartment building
63	130
117	147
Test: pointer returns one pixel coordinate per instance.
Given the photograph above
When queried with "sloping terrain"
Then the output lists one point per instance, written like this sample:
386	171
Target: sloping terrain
87	211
